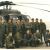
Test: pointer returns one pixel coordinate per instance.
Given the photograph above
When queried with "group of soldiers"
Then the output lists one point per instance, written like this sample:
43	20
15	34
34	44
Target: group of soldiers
21	33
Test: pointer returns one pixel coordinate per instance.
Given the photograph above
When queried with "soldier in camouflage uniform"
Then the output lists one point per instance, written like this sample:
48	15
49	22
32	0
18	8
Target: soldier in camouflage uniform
37	31
18	34
10	32
42	29
9	41
5	28
27	24
1	34
23	29
37	38
27	39
33	26
36	25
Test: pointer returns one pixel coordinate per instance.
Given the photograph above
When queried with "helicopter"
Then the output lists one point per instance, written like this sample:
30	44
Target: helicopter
15	13
6	12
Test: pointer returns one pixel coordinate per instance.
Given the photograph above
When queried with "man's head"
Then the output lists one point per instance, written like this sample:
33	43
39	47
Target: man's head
36	19
18	22
32	19
40	20
22	21
11	20
27	20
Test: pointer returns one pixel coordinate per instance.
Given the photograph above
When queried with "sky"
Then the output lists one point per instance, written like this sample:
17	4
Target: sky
34	13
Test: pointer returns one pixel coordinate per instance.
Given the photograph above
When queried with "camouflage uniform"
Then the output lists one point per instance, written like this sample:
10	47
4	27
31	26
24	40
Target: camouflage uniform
27	39
12	29
36	39
9	28
18	36
23	29
47	38
36	26
5	28
42	29
1	35
33	28
9	42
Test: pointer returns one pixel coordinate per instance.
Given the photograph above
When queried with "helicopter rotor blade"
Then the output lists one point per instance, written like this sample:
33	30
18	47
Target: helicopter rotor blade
33	7
35	3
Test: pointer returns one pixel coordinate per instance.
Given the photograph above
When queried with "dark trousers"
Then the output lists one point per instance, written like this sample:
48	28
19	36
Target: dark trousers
17	43
42	35
29	42
48	41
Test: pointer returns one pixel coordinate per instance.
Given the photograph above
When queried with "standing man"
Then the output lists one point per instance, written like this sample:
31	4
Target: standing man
18	34
1	34
23	29
33	26
36	25
42	29
12	28
27	24
5	30
10	34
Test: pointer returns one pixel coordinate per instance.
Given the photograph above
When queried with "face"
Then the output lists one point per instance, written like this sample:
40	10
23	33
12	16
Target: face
40	20
27	20
18	22
22	21
10	20
32	20
36	20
